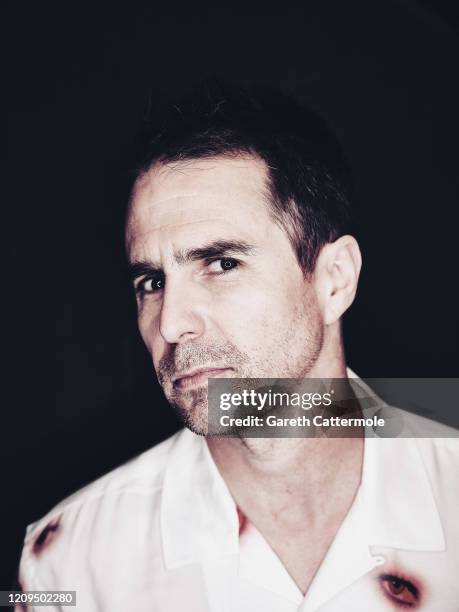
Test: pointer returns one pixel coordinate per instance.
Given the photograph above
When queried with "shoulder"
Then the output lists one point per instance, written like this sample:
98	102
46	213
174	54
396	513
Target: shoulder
101	514
417	426
438	457
438	447
438	443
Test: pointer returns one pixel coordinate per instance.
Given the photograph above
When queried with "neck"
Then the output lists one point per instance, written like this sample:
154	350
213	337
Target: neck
308	474
305	473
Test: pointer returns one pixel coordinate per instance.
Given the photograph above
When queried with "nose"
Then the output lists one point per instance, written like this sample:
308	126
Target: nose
181	316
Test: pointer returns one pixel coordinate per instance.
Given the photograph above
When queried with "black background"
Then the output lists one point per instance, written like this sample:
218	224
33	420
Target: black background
383	74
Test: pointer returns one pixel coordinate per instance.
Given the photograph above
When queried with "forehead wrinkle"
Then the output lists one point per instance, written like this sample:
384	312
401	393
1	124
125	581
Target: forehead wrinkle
135	232
149	220
156	179
158	228
185	195
203	195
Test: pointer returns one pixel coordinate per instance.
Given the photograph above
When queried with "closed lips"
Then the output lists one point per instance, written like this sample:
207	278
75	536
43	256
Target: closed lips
196	376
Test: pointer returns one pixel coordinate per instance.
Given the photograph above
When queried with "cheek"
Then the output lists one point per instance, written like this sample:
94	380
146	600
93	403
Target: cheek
290	326
241	308
256	317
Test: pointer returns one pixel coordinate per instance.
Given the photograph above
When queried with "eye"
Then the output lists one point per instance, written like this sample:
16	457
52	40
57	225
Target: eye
223	264
399	590
150	285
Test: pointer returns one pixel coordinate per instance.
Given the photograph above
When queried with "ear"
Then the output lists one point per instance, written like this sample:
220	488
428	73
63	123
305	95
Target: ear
336	276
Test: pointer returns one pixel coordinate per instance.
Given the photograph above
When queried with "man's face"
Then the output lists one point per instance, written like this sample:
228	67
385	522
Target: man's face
219	289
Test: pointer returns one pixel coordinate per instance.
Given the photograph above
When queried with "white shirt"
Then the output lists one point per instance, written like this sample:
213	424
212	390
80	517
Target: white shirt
161	534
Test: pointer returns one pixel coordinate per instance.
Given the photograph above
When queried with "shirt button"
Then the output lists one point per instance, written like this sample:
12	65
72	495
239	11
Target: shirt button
379	560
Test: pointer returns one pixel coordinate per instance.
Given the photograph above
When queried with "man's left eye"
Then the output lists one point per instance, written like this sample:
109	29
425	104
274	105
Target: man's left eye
222	265
400	591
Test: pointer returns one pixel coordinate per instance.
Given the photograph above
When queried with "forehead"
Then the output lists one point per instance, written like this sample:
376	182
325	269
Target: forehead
200	196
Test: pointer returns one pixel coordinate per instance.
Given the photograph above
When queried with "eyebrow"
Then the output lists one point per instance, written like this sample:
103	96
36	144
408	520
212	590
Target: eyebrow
215	249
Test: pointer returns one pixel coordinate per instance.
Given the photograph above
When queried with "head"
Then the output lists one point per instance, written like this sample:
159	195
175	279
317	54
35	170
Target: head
237	240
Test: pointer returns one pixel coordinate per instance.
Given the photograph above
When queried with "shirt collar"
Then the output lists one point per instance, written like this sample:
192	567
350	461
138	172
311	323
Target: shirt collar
199	520
395	490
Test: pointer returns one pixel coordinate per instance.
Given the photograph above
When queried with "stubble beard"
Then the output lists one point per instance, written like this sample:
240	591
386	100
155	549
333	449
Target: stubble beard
191	405
192	409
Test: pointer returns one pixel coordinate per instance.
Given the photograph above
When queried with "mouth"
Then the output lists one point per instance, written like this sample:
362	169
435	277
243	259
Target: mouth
197	377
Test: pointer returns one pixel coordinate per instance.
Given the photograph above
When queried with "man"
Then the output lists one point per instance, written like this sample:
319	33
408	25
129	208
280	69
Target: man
242	266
